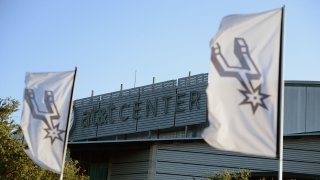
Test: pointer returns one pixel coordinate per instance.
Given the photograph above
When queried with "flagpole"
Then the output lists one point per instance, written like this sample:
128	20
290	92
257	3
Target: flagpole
281	100
66	137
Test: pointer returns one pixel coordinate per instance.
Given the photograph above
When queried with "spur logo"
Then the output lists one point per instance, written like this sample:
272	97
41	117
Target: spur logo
48	117
245	73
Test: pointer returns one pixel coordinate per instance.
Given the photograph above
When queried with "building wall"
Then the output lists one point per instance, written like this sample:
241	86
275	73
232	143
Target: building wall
169	104
194	159
96	120
302	155
129	165
99	116
198	160
301	107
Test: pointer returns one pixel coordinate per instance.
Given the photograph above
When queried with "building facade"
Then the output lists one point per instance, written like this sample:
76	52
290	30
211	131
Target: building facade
154	132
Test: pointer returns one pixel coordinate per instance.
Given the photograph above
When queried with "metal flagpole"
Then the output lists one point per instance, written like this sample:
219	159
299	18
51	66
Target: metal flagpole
281	99
66	137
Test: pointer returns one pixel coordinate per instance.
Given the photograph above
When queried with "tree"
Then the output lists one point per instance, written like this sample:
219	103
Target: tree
242	174
14	163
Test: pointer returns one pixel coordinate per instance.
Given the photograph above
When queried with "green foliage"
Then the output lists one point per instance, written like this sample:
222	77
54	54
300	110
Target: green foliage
14	163
243	174
71	169
7	107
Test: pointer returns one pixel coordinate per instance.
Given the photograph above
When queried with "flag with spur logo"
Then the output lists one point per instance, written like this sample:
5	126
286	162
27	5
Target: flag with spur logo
44	121
245	84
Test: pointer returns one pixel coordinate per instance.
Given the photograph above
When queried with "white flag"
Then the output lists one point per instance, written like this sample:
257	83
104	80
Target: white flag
45	114
244	83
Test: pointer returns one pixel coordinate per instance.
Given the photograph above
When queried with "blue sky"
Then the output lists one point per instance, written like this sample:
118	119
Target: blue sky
109	40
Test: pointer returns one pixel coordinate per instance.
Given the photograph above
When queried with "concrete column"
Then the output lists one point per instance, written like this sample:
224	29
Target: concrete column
152	167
